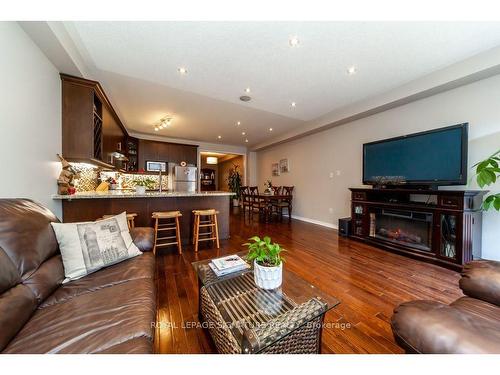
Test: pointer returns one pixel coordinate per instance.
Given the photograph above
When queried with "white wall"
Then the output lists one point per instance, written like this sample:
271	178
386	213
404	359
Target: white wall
30	119
312	159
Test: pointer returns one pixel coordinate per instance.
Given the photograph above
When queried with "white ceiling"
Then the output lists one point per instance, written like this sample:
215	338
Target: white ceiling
137	63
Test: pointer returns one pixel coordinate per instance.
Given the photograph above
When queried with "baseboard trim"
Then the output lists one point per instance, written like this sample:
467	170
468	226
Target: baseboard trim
317	222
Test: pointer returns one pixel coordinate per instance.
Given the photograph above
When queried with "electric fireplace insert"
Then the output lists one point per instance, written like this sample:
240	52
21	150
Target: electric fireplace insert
408	228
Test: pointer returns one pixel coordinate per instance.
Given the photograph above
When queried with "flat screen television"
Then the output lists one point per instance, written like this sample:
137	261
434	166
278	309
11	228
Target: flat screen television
431	158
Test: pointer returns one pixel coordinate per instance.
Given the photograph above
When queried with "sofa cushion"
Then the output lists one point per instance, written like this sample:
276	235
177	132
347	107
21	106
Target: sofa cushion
91	322
28	262
481	280
89	246
432	327
479	308
141	267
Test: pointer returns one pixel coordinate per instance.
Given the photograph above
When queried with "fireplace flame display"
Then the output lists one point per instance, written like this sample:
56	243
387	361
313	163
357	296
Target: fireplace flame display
408	228
400	235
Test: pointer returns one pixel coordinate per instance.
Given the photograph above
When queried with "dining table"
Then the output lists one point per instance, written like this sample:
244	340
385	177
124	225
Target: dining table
268	200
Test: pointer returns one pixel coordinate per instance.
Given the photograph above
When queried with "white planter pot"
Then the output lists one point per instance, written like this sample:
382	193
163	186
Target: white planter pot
268	277
236	202
140	189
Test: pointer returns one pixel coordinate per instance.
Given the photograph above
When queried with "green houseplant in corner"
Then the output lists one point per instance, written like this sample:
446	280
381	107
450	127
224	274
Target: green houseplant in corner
487	173
234	183
268	263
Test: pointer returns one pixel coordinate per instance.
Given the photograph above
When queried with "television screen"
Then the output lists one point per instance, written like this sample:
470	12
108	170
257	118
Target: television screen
435	157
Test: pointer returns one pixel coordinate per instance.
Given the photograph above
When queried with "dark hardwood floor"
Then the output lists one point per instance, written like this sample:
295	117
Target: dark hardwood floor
368	281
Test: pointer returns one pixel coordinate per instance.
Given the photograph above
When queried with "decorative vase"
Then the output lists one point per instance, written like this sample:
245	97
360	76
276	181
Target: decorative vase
140	189
236	202
267	277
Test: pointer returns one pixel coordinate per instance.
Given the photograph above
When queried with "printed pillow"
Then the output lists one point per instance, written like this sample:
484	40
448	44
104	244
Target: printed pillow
89	246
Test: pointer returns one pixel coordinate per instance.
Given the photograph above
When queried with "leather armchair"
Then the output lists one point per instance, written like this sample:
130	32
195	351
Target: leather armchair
143	237
471	324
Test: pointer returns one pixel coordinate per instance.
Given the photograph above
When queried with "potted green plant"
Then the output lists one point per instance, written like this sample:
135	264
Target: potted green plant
143	184
487	173
234	183
268	263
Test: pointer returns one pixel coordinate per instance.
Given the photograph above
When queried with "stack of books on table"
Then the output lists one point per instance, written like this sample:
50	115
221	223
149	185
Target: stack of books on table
228	264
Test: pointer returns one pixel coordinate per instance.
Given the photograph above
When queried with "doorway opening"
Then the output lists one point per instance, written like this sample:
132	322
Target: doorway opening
215	168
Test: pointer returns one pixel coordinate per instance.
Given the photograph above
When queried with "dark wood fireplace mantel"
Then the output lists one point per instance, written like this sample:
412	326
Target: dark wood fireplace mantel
438	226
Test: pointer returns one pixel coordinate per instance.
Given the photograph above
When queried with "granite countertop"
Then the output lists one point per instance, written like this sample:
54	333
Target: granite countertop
132	194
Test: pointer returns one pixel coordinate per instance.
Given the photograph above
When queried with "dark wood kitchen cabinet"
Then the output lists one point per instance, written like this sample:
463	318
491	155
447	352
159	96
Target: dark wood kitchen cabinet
77	120
167	152
91	129
148	152
113	136
92	132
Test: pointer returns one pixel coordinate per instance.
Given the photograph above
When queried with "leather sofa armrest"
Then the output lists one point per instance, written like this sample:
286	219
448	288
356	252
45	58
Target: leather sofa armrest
481	280
143	238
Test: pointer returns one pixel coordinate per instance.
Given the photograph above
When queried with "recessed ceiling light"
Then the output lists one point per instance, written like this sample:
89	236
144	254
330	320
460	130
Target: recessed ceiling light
293	41
293	104
352	70
182	70
247	90
238	123
156	128
219	136
243	133
270	129
246	140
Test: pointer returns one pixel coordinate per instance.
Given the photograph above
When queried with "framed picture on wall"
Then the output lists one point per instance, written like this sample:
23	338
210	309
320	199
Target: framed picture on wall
284	166
275	169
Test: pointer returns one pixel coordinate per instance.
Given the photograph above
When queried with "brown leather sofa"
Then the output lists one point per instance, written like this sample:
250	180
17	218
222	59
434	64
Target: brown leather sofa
109	311
471	324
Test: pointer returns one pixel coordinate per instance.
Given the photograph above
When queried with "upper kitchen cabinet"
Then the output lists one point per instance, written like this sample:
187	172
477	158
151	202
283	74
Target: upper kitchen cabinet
91	130
113	136
167	152
181	153
78	110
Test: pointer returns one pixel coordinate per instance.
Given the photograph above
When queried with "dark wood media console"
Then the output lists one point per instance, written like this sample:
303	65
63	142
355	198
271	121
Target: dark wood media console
438	226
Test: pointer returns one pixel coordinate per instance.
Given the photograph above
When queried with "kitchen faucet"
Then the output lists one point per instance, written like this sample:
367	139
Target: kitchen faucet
160	181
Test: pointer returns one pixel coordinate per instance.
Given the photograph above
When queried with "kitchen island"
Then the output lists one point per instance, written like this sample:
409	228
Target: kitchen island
91	205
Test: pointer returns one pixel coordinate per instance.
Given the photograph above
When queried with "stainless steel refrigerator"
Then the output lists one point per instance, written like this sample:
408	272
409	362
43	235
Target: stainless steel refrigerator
184	179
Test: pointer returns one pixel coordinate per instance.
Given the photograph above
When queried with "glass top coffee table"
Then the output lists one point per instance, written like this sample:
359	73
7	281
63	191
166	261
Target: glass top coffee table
243	318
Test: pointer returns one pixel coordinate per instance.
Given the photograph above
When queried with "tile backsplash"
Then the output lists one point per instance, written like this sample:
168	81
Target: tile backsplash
90	178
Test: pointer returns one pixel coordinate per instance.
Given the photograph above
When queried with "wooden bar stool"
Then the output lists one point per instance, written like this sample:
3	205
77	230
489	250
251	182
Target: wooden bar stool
167	227
130	219
209	222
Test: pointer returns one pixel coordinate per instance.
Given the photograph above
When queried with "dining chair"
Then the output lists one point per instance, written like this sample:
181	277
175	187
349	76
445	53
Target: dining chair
277	190
285	202
245	198
256	202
